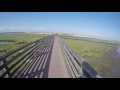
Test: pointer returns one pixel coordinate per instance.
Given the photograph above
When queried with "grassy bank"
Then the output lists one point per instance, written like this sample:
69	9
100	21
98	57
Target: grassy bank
18	41
91	52
101	56
88	50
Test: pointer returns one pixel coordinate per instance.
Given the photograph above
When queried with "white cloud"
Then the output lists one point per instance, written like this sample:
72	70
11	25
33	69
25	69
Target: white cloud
3	27
38	28
19	27
22	29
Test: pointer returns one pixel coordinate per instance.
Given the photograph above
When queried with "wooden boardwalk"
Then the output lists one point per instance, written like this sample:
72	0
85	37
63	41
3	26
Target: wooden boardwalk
49	57
49	63
57	66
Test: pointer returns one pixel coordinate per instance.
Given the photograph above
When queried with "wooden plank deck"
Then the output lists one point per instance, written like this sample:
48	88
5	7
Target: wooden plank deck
49	63
57	66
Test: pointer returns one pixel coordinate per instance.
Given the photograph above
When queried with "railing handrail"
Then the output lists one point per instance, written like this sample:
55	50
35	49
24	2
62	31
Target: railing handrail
76	65
87	70
14	51
29	52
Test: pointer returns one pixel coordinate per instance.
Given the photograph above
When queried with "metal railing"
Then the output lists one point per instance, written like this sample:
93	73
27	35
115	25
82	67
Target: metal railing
77	67
13	63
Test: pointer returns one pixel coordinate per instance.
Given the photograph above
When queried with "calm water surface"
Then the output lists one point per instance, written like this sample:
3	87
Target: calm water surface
5	42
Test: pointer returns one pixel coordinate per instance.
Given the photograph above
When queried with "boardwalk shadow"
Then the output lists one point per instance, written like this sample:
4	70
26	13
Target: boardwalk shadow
39	67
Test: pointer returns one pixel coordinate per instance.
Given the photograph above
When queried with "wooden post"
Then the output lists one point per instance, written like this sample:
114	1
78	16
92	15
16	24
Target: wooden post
35	50
4	69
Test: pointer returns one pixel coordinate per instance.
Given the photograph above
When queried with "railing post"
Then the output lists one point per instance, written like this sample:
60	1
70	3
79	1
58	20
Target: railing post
35	49
4	69
45	42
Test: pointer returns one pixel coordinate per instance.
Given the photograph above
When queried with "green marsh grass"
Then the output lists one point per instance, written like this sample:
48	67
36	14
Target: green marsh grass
17	41
90	52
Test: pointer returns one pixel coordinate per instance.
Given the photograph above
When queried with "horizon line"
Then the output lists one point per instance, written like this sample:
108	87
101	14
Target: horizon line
77	35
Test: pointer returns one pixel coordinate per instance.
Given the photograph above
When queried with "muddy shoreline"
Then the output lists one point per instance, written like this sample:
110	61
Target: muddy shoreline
113	68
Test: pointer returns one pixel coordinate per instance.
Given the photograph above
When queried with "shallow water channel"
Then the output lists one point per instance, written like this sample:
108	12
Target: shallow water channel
5	42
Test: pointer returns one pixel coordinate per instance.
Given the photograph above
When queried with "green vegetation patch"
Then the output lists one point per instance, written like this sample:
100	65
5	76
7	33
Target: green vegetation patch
91	52
88	50
18	41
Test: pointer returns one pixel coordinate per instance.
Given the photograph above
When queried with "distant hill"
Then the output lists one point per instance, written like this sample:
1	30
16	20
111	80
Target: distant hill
91	39
12	32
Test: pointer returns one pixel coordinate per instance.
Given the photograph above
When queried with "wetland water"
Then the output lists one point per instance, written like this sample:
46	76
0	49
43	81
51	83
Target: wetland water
7	34
11	34
5	42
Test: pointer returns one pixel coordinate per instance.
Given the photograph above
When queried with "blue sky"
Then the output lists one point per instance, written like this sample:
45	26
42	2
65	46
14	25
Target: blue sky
96	24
